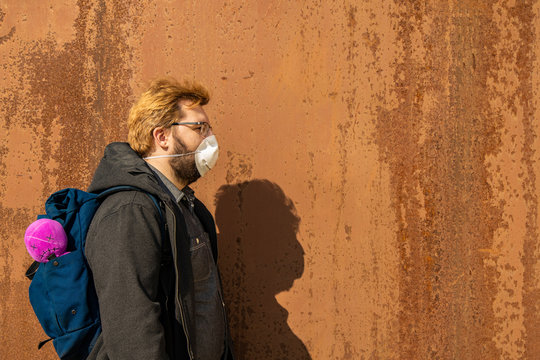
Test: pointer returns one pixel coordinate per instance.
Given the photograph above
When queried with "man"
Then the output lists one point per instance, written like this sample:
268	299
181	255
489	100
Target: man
156	276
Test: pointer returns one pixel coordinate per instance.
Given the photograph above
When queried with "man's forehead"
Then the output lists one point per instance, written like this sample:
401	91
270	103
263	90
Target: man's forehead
186	106
187	103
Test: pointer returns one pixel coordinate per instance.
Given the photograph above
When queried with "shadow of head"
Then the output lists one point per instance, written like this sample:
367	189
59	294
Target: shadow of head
257	230
259	257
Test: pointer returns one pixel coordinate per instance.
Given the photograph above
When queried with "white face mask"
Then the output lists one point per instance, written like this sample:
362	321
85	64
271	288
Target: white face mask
206	155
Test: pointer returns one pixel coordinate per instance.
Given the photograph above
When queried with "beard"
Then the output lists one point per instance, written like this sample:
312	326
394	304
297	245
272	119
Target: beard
184	167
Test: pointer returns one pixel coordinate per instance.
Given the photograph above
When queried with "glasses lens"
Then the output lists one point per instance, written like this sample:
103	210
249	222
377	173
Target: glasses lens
204	129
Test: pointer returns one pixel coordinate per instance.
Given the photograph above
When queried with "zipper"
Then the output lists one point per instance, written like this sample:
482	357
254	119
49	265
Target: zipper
224	314
178	302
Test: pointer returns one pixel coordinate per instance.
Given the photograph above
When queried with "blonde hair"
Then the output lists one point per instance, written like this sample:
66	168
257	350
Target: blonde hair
158	107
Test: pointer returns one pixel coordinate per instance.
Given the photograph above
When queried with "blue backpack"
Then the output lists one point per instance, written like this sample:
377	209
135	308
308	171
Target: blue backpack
62	290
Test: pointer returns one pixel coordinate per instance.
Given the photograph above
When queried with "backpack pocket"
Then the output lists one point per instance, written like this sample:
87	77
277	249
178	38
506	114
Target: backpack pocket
63	298
77	344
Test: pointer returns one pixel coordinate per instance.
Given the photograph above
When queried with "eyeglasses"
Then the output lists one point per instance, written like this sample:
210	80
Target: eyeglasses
203	127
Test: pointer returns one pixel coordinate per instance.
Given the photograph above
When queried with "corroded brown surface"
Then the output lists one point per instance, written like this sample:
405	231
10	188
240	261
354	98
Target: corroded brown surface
377	191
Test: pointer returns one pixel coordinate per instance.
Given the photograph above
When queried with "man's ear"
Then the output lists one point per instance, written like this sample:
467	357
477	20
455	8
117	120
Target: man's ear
161	138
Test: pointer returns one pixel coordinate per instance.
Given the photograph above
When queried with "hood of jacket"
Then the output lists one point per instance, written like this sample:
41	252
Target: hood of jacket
121	165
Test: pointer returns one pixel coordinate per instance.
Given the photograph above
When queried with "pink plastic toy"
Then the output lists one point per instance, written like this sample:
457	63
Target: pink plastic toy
45	237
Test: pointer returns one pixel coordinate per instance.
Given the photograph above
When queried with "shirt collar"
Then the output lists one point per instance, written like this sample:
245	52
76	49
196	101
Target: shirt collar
178	194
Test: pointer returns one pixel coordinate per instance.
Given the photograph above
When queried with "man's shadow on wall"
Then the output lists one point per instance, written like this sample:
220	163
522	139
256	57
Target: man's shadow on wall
259	257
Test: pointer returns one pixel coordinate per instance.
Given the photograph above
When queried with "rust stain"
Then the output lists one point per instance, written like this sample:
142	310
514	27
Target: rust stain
9	35
401	133
511	170
69	104
239	168
524	14
87	94
435	142
397	136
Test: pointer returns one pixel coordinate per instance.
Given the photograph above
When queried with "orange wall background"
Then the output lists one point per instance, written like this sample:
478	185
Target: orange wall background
377	188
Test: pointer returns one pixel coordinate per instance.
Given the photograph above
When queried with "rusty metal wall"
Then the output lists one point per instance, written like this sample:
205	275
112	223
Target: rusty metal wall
377	191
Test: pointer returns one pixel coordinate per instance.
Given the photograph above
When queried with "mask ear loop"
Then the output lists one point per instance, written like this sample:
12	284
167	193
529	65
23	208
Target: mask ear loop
169	156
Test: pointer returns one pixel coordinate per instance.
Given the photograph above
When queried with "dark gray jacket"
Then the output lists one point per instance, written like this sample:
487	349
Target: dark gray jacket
141	294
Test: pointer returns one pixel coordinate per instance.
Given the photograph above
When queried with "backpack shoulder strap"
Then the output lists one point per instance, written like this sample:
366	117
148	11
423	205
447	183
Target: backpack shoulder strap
101	196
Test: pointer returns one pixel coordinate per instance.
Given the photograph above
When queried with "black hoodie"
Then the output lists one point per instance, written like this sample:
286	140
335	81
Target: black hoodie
142	314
